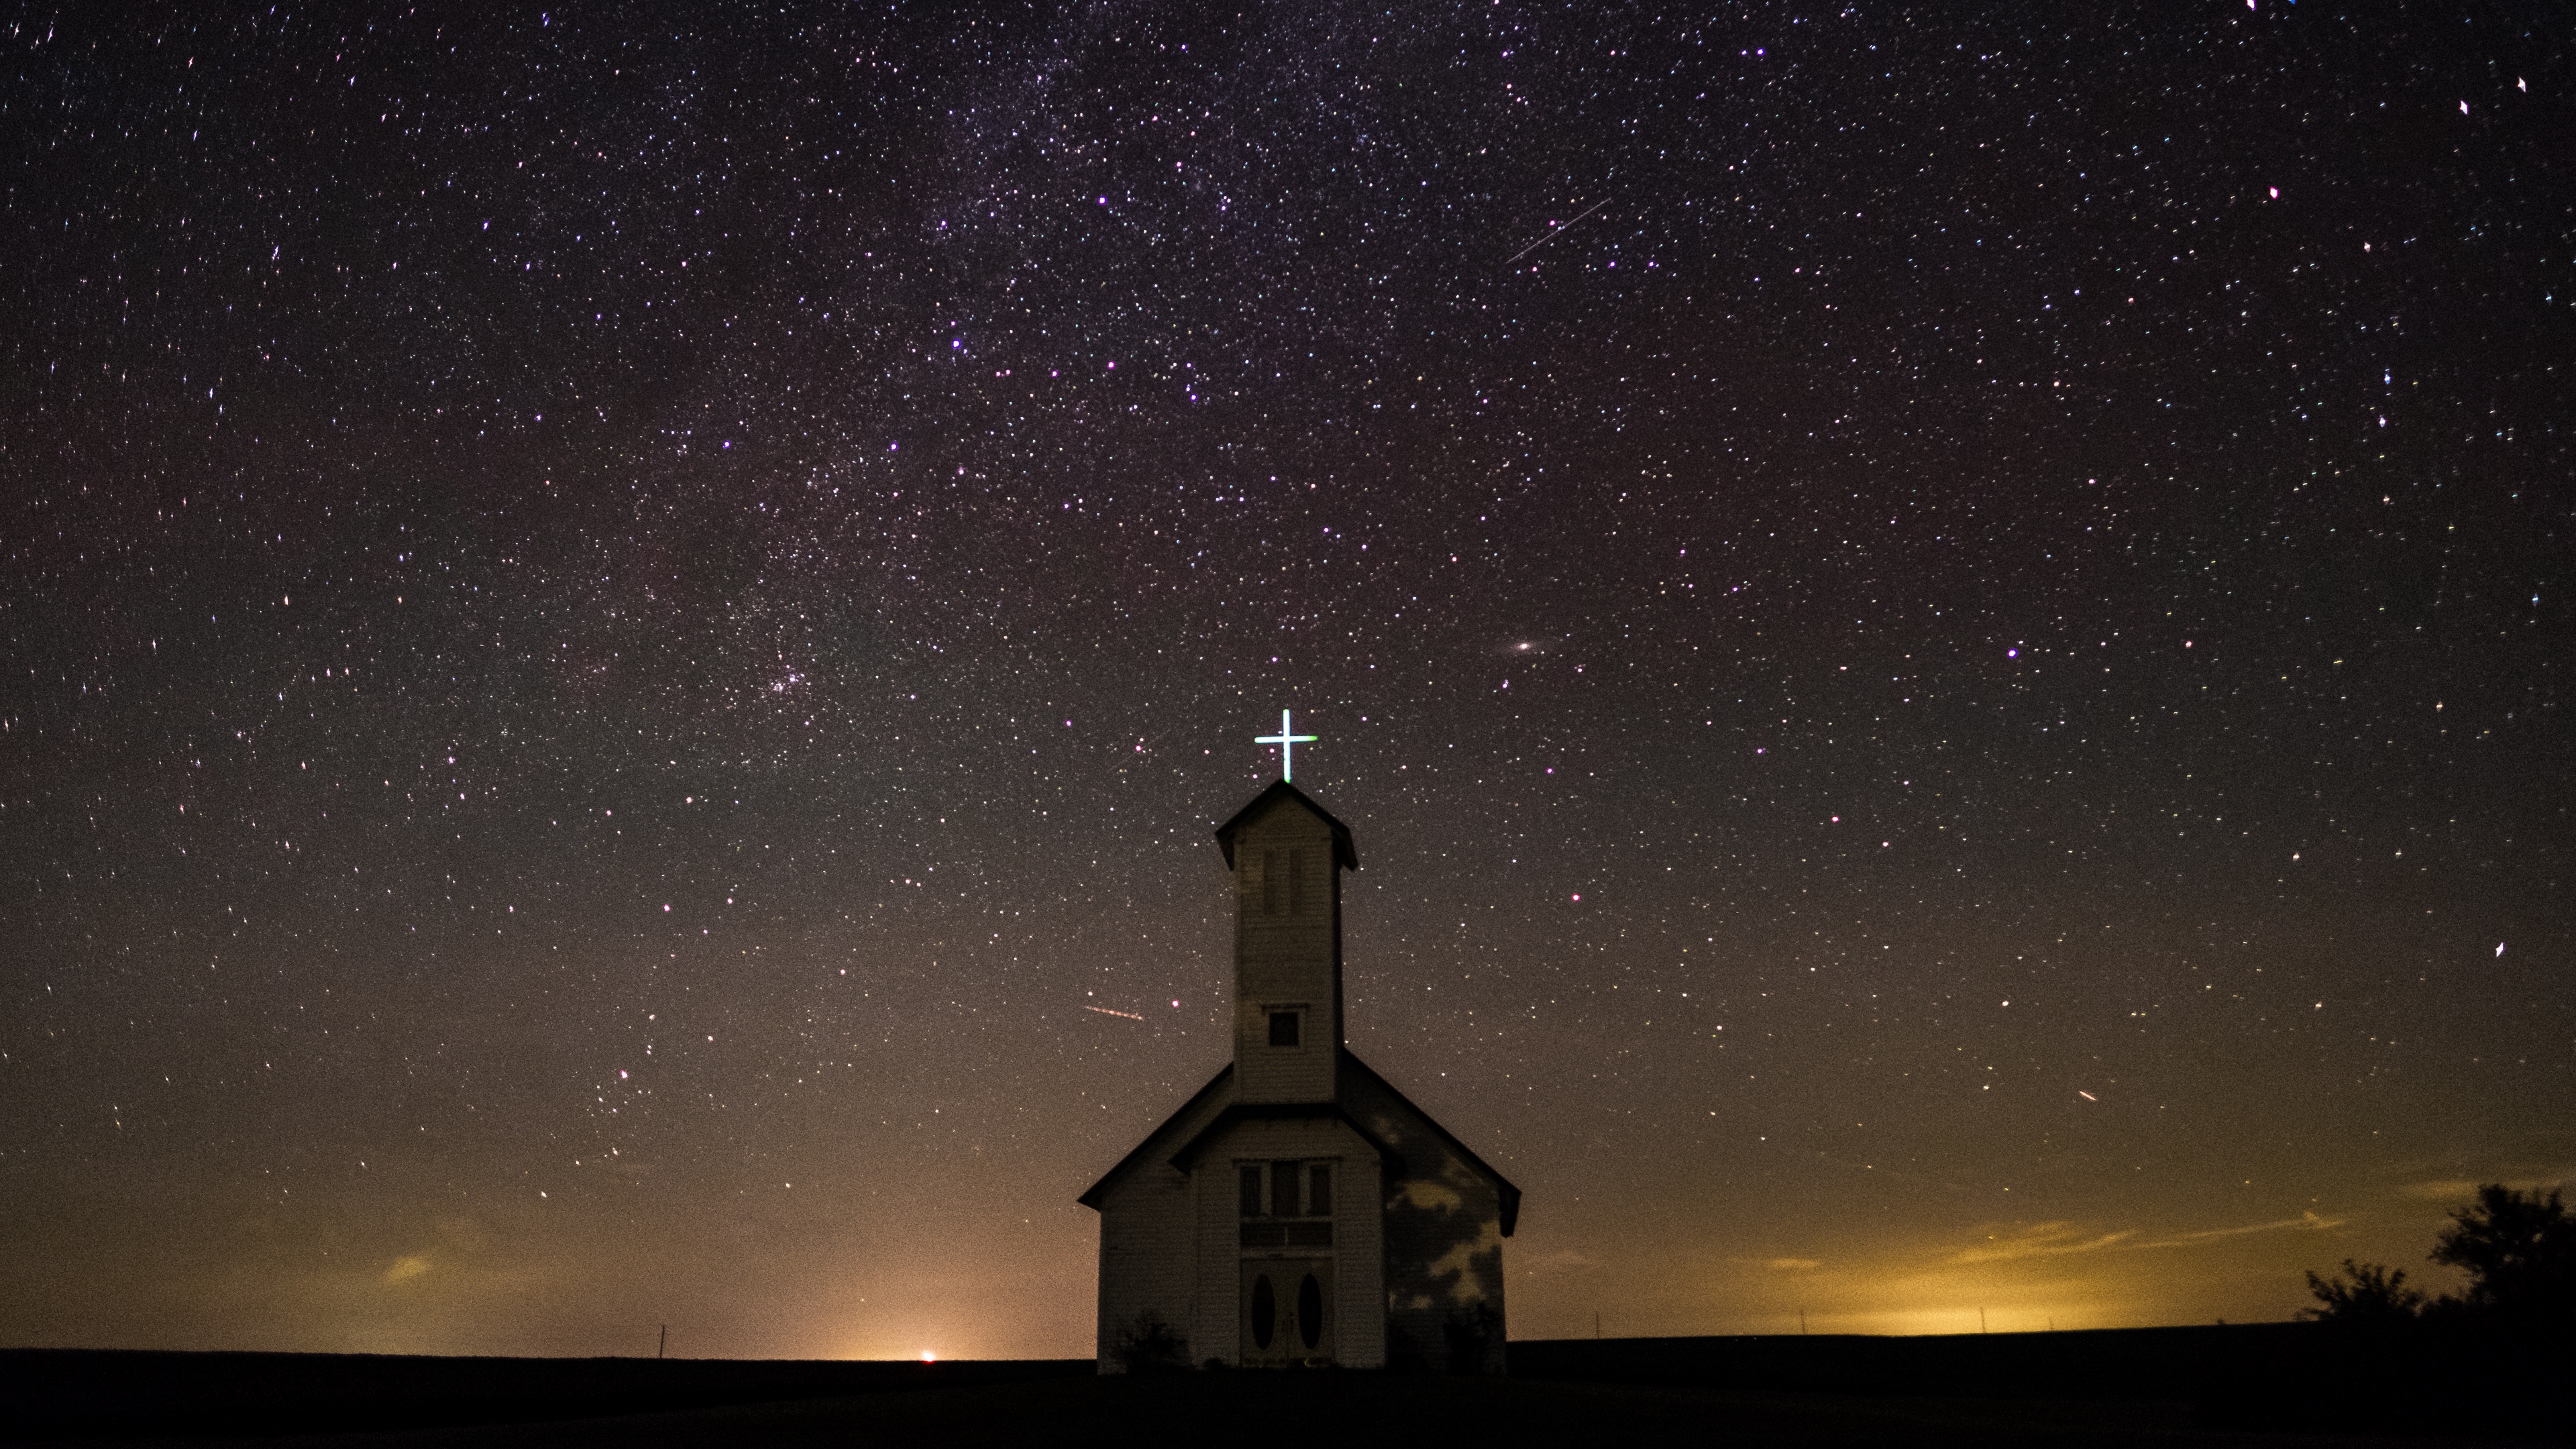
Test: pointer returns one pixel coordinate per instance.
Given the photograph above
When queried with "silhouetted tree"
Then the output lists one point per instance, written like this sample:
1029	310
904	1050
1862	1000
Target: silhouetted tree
2519	1250
1149	1345
2366	1294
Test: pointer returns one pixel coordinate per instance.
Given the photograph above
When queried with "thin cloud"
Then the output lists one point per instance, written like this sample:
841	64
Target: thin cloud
2046	1240
2304	1222
2053	1240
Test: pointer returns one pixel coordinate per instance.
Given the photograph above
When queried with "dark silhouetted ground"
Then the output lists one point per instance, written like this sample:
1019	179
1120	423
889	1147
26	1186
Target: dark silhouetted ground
1318	1411
2159	1387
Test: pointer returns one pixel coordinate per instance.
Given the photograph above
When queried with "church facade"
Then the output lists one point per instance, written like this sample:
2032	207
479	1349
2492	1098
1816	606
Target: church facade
1299	1211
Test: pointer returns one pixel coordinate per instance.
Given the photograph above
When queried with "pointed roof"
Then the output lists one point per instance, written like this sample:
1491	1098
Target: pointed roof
1345	853
1181	1151
1278	1111
1222	1081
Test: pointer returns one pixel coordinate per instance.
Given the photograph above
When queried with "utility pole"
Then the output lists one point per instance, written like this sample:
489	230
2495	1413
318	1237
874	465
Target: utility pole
1802	1319
1981	1320
665	1343
1596	1324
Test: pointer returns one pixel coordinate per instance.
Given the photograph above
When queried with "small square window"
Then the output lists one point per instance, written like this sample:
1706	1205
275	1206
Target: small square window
1283	1028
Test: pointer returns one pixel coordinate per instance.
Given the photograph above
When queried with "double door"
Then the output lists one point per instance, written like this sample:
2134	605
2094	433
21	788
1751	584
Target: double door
1287	1312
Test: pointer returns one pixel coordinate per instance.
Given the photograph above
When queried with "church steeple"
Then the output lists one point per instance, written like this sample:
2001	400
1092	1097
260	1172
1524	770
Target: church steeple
1297	1210
1287	854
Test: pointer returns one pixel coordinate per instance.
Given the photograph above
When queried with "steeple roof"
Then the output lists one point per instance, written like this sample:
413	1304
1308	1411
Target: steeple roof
1345	854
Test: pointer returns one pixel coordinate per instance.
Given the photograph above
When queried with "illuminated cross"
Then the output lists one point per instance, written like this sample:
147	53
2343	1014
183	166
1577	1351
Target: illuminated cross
1286	742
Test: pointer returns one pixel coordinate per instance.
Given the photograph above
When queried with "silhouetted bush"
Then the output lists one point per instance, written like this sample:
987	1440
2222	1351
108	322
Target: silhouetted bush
2364	1295
2489	1360
2519	1250
1149	1345
1475	1340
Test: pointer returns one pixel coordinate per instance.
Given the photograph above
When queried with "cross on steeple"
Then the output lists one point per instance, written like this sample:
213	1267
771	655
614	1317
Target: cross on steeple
1287	743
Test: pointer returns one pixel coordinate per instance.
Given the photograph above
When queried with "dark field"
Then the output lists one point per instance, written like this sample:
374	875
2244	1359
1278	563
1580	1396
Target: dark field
2266	1384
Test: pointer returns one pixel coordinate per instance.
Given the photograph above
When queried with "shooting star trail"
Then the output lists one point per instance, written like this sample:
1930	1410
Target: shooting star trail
1554	233
1105	1011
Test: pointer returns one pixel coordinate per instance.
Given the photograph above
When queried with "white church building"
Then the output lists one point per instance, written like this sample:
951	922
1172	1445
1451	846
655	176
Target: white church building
1299	1210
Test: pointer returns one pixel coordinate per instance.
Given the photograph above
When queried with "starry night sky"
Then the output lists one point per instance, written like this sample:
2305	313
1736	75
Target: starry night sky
621	634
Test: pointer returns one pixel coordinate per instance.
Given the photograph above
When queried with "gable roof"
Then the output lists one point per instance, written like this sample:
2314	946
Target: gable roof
1344	852
1223	1081
1510	1195
1275	1111
1159	1140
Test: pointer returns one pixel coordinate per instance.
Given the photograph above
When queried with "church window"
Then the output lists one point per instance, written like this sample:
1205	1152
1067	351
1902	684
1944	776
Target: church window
1270	882
1296	882
1283	1028
1271	1209
1283	1189
1310	1311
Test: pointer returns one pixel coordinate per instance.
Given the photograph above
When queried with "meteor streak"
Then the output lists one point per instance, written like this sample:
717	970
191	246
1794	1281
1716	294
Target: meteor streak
1105	1011
1554	232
